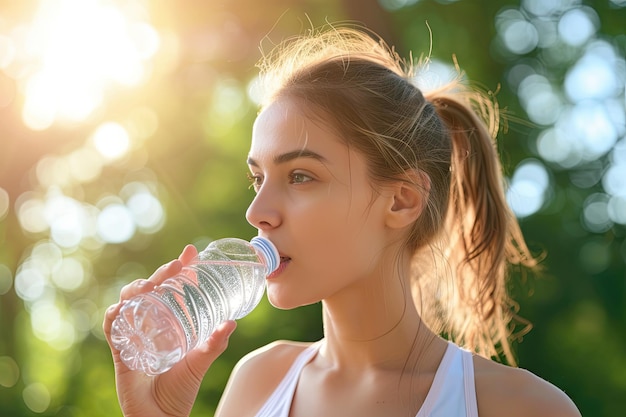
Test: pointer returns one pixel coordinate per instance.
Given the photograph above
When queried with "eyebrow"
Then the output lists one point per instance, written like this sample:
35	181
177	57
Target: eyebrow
290	156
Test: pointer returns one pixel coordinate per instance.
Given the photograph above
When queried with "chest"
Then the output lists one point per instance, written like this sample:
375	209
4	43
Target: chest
368	395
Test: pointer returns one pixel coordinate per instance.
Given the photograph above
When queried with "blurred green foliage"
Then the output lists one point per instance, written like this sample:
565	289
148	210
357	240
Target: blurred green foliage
193	161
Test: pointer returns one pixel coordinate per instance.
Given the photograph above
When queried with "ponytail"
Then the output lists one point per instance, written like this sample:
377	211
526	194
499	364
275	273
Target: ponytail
482	234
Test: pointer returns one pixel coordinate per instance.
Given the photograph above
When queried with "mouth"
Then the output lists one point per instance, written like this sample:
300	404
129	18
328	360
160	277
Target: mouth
284	261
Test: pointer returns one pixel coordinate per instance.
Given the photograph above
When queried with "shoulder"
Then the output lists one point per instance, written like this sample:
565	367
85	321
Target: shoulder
503	390
256	376
270	361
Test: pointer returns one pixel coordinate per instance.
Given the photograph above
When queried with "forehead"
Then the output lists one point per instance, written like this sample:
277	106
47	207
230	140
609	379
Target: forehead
285	126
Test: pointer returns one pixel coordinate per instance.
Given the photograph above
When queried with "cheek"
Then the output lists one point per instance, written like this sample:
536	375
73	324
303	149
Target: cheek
341	243
338	224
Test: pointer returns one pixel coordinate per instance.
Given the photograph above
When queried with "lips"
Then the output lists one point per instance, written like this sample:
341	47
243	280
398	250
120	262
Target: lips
284	261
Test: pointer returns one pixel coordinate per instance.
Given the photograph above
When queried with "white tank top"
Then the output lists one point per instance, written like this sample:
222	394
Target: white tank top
452	393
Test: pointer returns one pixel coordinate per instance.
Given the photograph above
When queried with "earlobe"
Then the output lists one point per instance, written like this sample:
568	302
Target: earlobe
408	200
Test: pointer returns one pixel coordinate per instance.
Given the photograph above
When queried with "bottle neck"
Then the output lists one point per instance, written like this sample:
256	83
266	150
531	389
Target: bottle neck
267	251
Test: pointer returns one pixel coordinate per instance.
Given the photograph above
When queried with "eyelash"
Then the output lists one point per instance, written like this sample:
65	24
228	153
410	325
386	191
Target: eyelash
293	175
256	180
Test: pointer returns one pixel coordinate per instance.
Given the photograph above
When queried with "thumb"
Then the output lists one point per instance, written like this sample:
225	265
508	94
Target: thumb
200	359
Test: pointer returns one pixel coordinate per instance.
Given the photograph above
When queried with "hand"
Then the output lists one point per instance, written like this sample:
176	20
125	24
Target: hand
172	393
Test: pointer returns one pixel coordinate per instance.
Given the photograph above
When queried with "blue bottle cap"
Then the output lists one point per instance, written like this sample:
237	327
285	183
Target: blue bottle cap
269	251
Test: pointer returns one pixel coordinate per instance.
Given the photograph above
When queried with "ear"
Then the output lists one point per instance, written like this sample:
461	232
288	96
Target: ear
409	197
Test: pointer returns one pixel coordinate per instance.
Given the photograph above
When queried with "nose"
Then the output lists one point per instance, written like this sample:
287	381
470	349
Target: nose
263	212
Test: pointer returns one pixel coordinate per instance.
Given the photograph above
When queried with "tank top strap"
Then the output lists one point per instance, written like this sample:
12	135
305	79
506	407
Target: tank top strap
279	403
452	392
471	404
437	387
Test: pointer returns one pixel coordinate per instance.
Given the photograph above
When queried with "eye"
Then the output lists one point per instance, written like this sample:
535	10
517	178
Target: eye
255	181
299	178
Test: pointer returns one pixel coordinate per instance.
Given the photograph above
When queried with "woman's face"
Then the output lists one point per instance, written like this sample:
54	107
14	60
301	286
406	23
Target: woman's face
315	201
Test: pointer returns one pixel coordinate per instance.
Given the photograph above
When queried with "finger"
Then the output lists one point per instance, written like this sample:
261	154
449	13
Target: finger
136	287
200	359
188	255
109	315
165	271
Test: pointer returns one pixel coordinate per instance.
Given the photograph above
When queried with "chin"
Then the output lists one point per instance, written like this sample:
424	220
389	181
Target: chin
284	304
287	301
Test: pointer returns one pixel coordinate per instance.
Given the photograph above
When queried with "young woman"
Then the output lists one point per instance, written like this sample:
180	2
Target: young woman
388	207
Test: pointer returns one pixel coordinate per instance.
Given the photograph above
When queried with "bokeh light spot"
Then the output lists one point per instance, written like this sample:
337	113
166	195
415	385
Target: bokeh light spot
147	212
9	371
47	256
53	171
111	140
520	36
45	319
593	77
614	180
85	164
596	213
38	113
50	325
526	194
66	218
556	145
617	209
36	397
618	154
30	283
578	25
435	74
30	213
539	99
591	124
254	90
69	274
587	175
543	8
115	224
65	338
79	48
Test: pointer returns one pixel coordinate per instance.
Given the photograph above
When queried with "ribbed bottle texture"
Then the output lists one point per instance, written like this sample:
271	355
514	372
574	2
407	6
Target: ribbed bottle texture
155	330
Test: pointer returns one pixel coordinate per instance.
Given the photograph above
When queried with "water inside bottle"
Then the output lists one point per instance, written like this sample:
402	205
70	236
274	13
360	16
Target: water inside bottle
157	329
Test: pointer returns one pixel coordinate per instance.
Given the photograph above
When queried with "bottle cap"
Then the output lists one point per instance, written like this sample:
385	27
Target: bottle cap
269	251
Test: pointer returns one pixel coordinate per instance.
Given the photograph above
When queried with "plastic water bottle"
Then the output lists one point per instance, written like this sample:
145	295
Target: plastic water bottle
225	282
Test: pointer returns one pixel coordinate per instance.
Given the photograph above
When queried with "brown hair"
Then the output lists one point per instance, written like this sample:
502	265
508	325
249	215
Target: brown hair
366	92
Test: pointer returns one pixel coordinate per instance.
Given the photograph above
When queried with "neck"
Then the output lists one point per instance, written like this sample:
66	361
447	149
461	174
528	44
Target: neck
376	325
